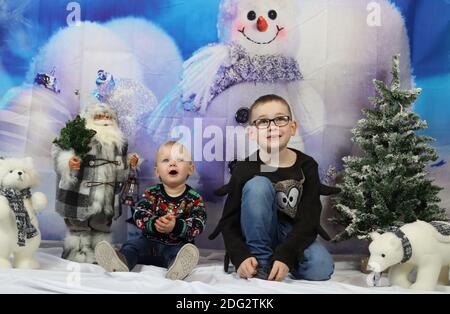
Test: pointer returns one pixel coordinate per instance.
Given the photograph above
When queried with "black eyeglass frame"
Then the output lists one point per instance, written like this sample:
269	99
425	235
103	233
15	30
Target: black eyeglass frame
288	120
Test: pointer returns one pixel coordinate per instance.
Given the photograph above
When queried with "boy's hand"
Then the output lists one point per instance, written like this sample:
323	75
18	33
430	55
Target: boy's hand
247	269
279	271
165	224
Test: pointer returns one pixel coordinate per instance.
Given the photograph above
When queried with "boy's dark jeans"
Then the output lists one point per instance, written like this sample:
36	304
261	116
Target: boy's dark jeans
263	231
147	252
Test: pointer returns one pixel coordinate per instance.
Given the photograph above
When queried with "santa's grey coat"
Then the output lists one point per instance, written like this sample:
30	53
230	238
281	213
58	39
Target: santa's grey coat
95	188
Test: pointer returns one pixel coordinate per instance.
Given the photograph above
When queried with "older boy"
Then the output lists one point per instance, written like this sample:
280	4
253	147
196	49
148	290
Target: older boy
271	217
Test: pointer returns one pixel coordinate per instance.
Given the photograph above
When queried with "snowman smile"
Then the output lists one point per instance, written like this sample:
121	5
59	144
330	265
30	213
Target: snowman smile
279	29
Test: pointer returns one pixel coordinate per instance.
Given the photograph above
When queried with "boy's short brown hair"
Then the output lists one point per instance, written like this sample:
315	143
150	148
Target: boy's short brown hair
268	98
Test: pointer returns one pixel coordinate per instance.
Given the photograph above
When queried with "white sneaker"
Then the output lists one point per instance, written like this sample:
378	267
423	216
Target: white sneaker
186	260
108	258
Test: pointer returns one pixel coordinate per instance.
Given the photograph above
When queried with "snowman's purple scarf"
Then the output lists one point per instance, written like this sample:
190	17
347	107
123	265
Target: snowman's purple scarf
254	69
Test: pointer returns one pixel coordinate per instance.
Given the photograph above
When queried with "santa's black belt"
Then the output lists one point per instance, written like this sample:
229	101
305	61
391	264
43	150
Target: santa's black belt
92	164
96	184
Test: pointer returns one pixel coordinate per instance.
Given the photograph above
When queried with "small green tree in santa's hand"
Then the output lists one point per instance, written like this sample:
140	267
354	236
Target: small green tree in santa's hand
76	136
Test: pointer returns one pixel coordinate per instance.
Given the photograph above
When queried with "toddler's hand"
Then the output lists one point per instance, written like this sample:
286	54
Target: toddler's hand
165	224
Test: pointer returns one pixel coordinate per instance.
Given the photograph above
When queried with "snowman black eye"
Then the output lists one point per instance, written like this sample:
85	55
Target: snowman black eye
383	255
273	14
10	171
251	15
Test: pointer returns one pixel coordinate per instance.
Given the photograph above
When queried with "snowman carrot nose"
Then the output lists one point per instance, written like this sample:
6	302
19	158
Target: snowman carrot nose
262	24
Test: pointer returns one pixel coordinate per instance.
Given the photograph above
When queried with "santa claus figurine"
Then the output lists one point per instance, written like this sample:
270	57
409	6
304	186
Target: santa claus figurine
90	180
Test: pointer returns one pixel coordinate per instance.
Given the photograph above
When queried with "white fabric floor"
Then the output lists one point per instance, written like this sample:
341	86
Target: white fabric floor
60	276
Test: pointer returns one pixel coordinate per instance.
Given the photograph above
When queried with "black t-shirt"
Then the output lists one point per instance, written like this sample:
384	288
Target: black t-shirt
288	183
298	198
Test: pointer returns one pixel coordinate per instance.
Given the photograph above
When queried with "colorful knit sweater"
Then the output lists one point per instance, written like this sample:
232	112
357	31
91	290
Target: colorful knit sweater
188	208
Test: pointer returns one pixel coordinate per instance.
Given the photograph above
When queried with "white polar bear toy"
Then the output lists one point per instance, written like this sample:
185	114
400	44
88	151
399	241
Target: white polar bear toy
419	244
19	228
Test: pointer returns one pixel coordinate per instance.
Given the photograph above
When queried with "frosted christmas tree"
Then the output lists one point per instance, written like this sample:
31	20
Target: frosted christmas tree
387	185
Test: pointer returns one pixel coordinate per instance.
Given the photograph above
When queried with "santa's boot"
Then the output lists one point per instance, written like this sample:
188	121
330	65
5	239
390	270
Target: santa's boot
98	237
78	247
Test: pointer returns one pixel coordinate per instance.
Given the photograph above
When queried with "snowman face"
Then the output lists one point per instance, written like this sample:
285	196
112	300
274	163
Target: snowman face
262	27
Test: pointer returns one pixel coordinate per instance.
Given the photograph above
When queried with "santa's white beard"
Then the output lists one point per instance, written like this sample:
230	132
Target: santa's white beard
109	135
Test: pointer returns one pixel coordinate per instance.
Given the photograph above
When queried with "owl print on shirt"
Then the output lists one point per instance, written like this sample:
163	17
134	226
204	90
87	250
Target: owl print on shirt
288	196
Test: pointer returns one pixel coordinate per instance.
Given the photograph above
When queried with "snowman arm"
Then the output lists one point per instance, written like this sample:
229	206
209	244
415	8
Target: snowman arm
200	73
167	115
205	53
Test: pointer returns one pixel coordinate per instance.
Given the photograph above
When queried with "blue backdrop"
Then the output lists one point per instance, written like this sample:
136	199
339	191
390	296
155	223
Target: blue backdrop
27	25
427	21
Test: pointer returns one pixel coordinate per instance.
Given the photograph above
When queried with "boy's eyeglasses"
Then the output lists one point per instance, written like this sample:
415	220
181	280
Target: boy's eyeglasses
278	121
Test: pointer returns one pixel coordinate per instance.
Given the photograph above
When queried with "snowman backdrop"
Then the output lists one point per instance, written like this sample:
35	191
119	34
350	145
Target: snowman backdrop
190	69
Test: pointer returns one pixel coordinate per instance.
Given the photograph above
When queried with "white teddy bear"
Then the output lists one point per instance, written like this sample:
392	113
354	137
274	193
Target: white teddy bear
19	229
419	244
